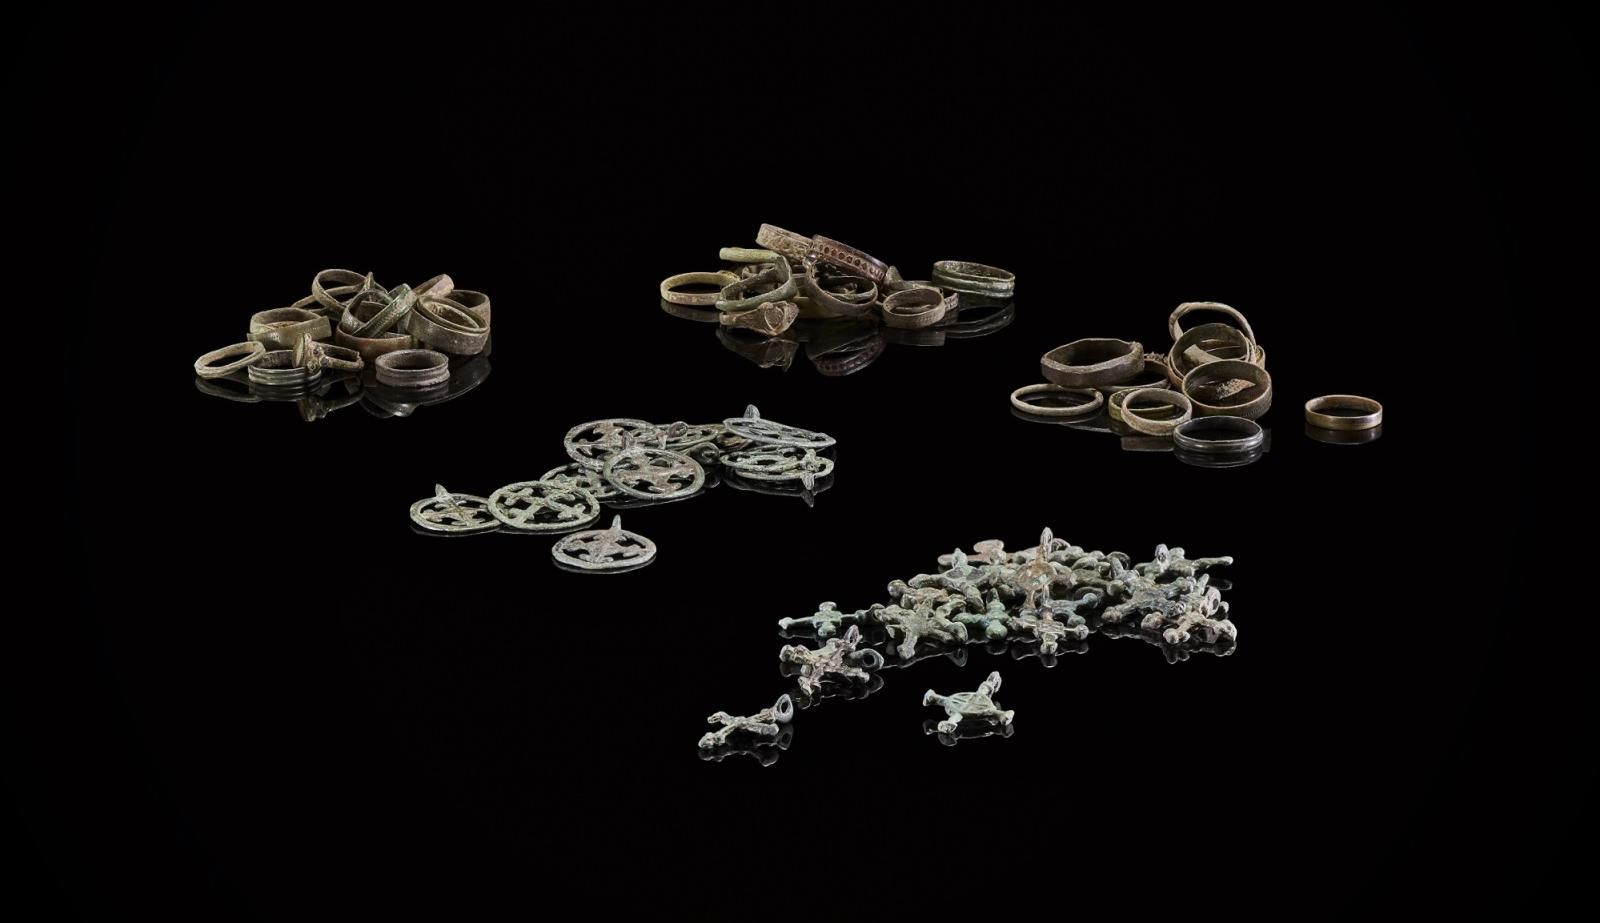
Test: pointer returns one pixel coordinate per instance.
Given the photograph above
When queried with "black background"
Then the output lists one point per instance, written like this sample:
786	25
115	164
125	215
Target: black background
296	705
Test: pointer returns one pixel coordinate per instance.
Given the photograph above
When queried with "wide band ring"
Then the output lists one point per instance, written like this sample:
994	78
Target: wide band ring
1189	306
1088	408
278	369
439	323
792	245
1221	435
1371	412
439	286
472	302
281	328
721	279
413	368
914	308
848	258
1151	427
1093	361
370	348
839	304
243	355
1223	371
975	278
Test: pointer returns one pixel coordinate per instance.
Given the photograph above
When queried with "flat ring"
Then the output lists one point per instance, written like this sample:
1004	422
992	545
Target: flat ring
1372	412
1096	399
848	258
974	278
914	308
413	368
721	279
792	245
472	302
445	326
1200	435
281	328
1148	426
243	355
1225	370
1217	306
370	348
1092	361
839	304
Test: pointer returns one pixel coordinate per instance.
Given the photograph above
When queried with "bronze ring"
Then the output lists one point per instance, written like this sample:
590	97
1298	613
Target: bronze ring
1217	306
1094	361
914	308
441	324
734	297
975	278
243	355
1371	412
952	298
281	328
340	358
474	303
1089	407
1152	427
1114	399
839	304
721	279
1195	348
279	368
347	282
439	286
1205	378
370	348
792	245
413	368
847	258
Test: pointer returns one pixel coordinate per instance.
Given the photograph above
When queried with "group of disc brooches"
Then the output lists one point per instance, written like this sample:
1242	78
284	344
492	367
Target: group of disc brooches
844	304
1040	602
625	464
401	347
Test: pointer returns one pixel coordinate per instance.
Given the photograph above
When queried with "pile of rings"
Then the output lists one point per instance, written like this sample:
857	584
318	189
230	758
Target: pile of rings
791	276
1202	398
624	463
349	323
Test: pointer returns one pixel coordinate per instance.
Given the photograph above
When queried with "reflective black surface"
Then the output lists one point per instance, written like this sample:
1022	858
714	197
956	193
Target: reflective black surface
297	701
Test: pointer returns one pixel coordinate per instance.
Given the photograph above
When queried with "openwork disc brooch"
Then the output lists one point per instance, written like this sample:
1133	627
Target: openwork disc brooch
593	444
604	550
752	427
779	463
454	514
574	474
537	506
654	474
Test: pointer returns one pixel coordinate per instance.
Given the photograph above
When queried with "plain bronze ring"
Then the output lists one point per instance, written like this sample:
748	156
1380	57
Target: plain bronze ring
670	285
1371	412
1092	362
1088	408
1225	370
1151	427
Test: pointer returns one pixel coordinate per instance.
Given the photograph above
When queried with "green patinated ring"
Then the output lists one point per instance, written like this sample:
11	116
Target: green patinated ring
243	355
734	298
974	278
839	304
401	298
749	255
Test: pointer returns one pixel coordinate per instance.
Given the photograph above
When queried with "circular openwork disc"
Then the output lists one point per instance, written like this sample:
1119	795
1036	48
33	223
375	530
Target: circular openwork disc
752	427
594	443
457	514
681	436
575	474
655	474
537	506
778	463
613	549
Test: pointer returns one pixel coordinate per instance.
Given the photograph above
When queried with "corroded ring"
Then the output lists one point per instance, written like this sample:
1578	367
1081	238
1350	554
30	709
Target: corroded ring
1371	412
243	355
1090	406
1152	427
1092	361
670	285
413	368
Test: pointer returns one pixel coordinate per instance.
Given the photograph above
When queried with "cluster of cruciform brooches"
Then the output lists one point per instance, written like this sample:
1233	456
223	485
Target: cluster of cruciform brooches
1042	601
625	464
